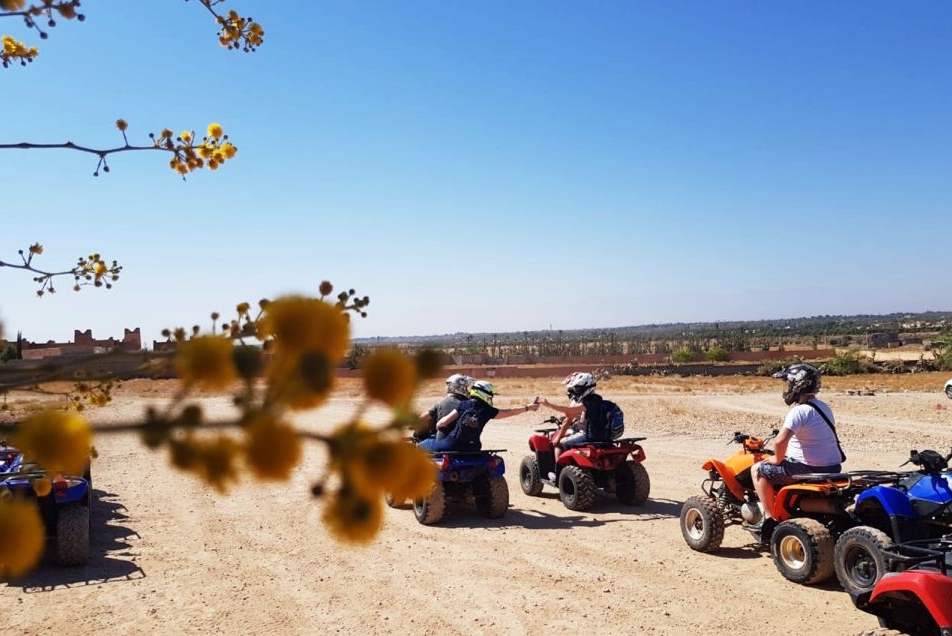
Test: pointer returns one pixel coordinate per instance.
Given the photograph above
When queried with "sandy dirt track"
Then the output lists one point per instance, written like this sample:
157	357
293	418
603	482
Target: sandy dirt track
171	557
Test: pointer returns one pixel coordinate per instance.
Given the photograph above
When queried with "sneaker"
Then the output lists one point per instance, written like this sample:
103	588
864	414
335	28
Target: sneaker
551	476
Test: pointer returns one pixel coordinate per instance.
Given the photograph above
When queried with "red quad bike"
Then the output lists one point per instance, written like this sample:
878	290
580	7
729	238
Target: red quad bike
916	599
612	466
811	513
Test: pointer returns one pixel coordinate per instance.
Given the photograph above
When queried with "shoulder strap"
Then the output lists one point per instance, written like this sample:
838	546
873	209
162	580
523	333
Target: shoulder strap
833	428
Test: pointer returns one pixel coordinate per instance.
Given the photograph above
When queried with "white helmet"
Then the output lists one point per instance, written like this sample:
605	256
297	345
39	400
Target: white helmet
458	384
579	385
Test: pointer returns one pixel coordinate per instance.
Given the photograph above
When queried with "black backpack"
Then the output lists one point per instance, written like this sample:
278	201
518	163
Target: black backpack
605	421
468	429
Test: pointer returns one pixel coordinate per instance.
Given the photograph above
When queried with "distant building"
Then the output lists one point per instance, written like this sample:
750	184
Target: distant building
83	344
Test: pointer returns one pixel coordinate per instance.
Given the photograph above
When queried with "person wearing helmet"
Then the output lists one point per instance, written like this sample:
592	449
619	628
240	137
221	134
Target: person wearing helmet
460	429
584	407
457	390
807	442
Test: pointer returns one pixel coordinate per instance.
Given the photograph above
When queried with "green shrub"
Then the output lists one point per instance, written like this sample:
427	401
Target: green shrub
848	363
682	355
716	354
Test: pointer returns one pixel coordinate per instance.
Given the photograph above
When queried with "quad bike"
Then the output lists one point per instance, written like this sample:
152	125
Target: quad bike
917	506
65	509
471	477
916	597
612	466
810	514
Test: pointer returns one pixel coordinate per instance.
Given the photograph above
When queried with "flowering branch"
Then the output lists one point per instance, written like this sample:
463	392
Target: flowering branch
91	270
188	154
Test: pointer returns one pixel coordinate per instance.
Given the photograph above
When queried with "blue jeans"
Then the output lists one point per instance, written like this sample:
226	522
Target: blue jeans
434	445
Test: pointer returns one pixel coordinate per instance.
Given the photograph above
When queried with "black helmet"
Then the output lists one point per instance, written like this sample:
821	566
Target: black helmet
802	379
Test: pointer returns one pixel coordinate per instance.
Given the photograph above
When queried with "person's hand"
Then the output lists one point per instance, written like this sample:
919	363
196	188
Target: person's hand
535	405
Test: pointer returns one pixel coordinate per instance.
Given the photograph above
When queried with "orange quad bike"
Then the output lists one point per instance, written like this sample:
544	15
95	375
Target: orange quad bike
810	514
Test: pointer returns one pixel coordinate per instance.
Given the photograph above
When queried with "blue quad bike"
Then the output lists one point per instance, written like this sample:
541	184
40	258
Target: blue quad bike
473	478
915	506
65	510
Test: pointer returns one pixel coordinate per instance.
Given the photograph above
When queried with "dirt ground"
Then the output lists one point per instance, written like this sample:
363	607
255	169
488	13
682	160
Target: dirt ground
171	557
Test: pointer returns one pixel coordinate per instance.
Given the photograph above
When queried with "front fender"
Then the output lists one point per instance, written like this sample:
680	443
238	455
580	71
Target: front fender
893	500
727	475
932	588
540	443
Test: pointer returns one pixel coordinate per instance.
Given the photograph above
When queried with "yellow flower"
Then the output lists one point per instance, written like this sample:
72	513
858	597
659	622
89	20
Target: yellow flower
56	440
272	448
186	136
207	361
22	537
100	269
36	248
389	376
302	381
214	131
396	467
42	486
12	5
353	517
300	324
121	124
228	149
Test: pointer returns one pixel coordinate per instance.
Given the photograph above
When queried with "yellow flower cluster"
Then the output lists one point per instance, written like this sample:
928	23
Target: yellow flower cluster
93	270
212	151
13	50
307	337
369	464
22	536
59	441
239	33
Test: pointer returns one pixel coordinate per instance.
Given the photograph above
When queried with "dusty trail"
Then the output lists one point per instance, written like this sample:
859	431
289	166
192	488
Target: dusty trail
170	557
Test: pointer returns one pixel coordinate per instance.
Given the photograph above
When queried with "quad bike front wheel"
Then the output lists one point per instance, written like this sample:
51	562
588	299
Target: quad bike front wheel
702	524
492	497
430	509
632	484
858	558
576	488
530	477
802	550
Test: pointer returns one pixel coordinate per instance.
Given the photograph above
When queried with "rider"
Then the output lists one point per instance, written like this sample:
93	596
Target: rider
807	442
457	390
461	428
583	409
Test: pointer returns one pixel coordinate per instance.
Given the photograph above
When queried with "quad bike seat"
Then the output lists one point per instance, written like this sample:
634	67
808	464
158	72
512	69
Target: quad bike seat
817	478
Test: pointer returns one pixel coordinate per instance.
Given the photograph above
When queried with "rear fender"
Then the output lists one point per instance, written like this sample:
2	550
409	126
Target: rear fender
892	500
68	490
727	475
932	588
787	497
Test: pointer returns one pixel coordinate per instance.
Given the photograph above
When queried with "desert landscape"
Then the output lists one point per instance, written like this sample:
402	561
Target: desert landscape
171	556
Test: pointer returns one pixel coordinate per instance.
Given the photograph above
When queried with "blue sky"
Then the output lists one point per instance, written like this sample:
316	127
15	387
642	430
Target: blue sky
490	166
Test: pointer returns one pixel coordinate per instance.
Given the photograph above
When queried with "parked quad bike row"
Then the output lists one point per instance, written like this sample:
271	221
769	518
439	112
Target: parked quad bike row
476	478
65	509
884	534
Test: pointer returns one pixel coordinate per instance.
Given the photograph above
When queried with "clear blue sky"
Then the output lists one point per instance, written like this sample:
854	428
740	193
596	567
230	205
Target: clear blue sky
491	166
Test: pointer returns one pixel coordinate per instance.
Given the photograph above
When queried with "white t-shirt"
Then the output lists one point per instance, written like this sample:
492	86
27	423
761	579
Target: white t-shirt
813	441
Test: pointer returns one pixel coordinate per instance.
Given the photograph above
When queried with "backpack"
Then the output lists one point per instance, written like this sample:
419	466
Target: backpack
468	429
614	419
607	422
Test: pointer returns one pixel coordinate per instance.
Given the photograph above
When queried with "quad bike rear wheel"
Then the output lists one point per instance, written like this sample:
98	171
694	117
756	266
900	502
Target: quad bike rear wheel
576	488
632	484
492	497
858	558
530	477
429	509
702	524
802	550
72	535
